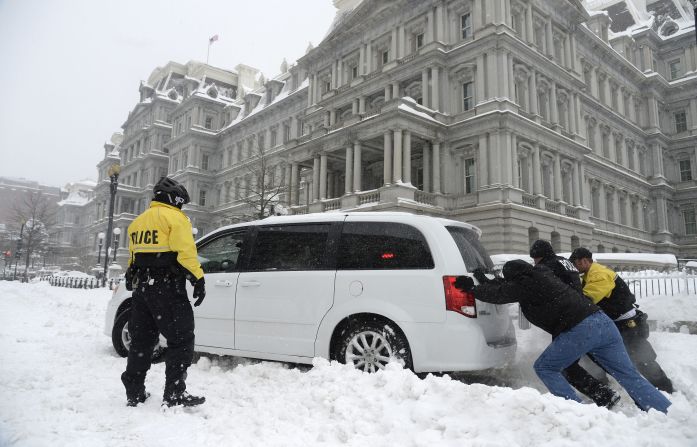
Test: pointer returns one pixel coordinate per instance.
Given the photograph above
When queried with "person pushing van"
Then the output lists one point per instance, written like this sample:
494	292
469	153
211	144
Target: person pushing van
577	326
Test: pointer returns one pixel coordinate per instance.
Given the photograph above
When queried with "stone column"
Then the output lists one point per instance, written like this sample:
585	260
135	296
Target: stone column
480	80
335	83
532	93
395	90
550	38
357	167
406	169
323	177
388	92
575	185
436	167
393	46
361	105
288	184
436	87
315	178
429	26
653	111
426	160
557	178
514	161
348	177
585	190
439	23
397	165
483	160
477	8
361	60
620	100
608	91
294	181
567	52
602	201
387	158
553	109
529	31
611	146
594	82
536	170
402	42
424	88
628	211
632	108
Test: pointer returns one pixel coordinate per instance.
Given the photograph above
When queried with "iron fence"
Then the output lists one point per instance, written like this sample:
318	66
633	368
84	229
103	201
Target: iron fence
664	284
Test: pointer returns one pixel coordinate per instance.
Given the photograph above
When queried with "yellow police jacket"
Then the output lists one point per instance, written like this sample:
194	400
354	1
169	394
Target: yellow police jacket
598	282
164	228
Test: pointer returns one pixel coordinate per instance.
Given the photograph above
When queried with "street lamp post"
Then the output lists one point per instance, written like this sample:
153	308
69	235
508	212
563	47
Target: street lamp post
113	173
117	233
100	237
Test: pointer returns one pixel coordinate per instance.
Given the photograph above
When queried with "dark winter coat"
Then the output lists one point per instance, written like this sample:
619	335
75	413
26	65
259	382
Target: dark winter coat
545	300
564	270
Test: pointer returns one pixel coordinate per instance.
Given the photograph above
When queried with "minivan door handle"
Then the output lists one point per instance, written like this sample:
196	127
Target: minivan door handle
250	283
223	283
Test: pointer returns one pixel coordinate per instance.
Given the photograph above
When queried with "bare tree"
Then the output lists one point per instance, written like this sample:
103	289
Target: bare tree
34	215
262	189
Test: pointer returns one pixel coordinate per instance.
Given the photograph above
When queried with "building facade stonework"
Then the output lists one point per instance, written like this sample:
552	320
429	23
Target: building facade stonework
563	120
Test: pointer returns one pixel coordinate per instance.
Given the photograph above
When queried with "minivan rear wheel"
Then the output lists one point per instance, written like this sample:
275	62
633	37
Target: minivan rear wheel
371	345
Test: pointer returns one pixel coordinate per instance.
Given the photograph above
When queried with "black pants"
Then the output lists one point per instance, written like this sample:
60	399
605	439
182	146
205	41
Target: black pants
585	383
161	307
635	334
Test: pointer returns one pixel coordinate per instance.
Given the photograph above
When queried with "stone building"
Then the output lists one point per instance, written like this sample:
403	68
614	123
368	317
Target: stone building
565	120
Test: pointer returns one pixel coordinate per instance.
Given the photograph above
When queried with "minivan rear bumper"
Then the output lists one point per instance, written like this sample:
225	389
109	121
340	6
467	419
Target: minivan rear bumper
458	344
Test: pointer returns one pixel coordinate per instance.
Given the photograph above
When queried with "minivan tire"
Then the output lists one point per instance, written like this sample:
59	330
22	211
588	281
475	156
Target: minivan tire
370	344
121	339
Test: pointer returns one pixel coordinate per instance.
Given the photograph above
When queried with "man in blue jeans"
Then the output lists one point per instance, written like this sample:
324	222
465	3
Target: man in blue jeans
578	327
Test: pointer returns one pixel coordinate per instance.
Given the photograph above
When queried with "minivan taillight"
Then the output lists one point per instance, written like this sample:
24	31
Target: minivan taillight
457	300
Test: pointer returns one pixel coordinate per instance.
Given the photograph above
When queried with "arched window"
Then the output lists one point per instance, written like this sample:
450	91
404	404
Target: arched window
575	242
601	248
533	235
556	241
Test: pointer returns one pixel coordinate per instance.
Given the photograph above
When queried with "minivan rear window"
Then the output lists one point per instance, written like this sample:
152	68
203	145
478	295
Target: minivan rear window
472	251
382	246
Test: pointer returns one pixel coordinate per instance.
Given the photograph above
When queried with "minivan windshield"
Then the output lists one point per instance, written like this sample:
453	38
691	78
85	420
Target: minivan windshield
472	251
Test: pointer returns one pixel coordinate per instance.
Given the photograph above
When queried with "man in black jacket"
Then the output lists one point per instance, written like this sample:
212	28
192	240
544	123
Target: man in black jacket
543	253
577	326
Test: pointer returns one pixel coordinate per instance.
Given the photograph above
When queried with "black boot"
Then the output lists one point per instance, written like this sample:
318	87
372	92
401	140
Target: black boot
182	398
133	401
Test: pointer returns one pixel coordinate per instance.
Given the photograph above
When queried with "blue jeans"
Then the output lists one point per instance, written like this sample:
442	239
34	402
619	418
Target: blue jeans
597	335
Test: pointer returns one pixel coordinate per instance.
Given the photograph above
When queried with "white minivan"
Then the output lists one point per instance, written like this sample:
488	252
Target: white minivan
360	288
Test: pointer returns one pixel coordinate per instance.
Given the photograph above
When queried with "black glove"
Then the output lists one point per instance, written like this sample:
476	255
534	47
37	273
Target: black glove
464	283
199	291
128	278
480	276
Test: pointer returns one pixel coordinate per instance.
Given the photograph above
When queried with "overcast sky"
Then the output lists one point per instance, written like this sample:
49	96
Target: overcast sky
70	69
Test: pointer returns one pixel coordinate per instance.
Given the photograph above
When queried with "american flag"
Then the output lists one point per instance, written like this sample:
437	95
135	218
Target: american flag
212	39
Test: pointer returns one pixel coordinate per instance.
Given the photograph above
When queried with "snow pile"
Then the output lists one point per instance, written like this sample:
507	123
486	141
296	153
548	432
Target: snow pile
59	382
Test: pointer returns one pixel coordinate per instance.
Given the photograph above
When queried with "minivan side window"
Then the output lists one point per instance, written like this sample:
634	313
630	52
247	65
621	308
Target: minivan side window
382	246
472	251
221	254
290	247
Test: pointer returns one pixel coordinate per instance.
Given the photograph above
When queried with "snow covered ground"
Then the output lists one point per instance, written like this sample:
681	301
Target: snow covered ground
59	386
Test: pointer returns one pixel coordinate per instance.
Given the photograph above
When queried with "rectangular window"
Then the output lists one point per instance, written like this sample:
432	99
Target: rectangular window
354	72
419	39
286	133
465	26
291	247
221	254
469	176
690	221
188	122
473	253
204	162
685	170
209	122
680	121
202	197
385	56
273	137
466	96
675	68
382	246
326	86
185	159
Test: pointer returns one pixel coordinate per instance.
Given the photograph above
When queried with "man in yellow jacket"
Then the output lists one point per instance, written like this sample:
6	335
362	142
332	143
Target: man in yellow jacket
606	289
162	257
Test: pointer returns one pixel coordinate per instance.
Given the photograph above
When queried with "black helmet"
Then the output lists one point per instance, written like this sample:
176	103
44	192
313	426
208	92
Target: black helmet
170	192
541	249
580	253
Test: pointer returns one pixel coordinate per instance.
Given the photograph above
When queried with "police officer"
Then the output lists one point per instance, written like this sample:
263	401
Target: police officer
542	252
606	289
162	257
